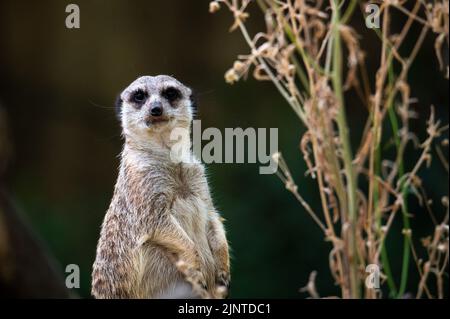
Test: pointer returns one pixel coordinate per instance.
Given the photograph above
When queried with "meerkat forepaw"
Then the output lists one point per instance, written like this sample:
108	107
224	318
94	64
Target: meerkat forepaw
222	284
196	278
200	279
223	279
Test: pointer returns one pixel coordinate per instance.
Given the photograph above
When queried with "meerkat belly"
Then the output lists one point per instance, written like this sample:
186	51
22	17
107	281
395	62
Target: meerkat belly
156	274
192	214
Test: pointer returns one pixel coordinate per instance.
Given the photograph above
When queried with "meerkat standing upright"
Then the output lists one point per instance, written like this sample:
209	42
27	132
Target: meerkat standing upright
161	209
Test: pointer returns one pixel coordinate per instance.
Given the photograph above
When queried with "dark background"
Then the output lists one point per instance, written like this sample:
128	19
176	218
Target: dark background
58	86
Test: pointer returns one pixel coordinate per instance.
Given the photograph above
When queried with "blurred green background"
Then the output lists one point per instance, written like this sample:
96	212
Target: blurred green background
58	87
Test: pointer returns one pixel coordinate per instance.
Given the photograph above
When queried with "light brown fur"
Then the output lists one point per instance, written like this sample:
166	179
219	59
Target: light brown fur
161	211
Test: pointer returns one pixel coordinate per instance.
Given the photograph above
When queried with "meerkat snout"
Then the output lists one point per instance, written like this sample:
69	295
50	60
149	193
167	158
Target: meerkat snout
156	109
156	114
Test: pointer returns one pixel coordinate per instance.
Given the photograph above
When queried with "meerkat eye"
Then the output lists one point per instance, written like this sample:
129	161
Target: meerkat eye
139	96
171	94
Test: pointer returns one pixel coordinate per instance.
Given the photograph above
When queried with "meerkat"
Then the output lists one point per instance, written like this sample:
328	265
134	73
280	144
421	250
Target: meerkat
161	215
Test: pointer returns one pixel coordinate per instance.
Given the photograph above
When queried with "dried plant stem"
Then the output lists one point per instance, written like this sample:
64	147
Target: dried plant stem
349	12
374	213
434	250
387	63
293	103
404	194
331	232
347	156
303	51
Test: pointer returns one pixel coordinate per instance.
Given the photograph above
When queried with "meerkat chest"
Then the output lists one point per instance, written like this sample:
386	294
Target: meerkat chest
191	200
181	191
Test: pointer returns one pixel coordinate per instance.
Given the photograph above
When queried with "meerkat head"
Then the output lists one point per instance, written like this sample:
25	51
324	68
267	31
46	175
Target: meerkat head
154	105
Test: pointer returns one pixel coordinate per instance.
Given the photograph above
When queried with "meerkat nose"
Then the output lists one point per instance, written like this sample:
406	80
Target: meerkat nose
156	109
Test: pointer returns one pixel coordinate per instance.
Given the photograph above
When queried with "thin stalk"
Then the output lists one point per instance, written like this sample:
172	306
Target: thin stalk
344	288
301	73
406	222
262	5
384	255
347	152
375	157
388	271
400	150
401	172
349	12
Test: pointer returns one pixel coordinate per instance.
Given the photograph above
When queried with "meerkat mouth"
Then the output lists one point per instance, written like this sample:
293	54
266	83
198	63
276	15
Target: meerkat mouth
156	120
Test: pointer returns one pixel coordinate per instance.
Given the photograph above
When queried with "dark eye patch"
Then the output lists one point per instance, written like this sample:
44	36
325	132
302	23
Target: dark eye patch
138	97
171	94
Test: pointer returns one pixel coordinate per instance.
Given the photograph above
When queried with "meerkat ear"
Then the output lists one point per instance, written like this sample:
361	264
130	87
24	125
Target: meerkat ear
194	104
118	107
